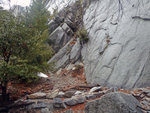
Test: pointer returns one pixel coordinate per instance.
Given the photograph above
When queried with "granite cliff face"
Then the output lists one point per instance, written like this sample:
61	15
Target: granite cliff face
118	52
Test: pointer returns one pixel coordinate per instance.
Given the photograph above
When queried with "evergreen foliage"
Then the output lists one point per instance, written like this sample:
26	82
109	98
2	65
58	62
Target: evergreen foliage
83	35
38	15
23	47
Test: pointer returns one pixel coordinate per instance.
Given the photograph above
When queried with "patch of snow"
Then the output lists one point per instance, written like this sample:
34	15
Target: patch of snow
78	92
61	93
95	89
40	74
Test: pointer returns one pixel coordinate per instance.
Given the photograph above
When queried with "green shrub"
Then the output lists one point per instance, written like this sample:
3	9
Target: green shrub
83	35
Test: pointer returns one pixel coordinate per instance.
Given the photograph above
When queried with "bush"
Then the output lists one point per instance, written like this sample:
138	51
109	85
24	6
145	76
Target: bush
83	35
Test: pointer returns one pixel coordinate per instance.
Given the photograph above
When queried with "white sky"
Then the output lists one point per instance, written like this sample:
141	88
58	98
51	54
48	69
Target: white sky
15	2
55	3
20	2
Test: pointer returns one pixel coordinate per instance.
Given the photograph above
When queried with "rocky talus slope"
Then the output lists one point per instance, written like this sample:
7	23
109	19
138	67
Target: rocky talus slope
70	93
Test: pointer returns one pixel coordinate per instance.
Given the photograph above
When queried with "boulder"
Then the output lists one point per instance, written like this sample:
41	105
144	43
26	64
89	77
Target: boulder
58	19
58	103
61	58
59	38
54	23
66	55
68	111
60	95
39	105
45	110
67	29
90	96
70	102
75	100
146	92
70	24
52	94
80	99
69	94
98	94
59	71
38	95
114	103
52	26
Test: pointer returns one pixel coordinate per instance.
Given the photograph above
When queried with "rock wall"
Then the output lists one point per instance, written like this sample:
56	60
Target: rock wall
62	37
118	52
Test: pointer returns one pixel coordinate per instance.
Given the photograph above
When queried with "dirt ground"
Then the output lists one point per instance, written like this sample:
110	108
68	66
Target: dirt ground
66	79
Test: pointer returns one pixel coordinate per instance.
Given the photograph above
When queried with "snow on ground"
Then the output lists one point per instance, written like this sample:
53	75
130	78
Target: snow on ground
40	74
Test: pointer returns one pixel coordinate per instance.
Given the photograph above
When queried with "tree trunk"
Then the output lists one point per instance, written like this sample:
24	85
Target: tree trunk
5	96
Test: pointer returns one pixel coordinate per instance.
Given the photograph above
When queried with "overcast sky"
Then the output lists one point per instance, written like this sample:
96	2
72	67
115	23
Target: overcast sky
15	2
53	4
20	2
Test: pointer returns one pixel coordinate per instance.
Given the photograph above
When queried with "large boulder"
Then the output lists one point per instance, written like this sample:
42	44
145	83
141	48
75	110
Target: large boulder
55	22
70	53
113	103
52	26
117	53
60	36
38	95
61	58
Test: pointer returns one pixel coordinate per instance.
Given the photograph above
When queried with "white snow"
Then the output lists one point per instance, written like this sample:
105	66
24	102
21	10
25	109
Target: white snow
40	74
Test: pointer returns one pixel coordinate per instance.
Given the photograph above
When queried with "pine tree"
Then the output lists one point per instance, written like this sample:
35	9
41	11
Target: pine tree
38	15
14	41
23	49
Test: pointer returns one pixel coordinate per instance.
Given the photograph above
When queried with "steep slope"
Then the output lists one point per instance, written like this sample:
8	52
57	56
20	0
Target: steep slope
117	53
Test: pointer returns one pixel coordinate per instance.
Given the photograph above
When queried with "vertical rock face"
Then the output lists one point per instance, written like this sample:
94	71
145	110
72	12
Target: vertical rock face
62	37
118	52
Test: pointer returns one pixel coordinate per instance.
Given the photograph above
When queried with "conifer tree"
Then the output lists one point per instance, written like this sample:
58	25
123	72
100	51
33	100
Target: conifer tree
38	15
23	49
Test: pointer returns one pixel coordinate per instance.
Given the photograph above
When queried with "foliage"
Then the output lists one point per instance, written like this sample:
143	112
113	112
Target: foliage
23	47
41	51
37	15
15	41
83	35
